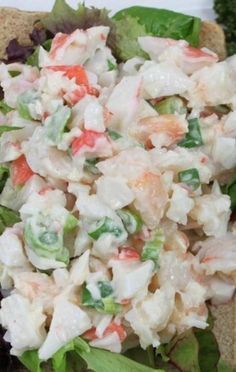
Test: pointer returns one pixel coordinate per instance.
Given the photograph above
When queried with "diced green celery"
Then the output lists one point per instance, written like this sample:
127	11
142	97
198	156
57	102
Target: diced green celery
90	166
23	102
88	300
48	238
111	66
71	223
171	105
45	243
190	177
131	220
105	288
193	138
110	307
114	135
56	123
152	248
106	304
103	226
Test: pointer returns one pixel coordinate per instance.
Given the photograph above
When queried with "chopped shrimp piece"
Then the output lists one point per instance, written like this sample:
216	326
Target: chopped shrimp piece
75	48
163	130
218	254
189	59
151	197
74	71
21	171
128	254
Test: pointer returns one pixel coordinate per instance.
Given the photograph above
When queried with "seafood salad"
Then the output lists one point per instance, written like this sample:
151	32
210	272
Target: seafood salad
113	177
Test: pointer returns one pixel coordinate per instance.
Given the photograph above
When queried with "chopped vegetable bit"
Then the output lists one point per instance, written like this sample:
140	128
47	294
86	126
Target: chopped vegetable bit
153	247
131	220
105	226
24	101
56	124
106	303
90	166
193	138
190	177
45	242
171	105
111	66
105	288
114	135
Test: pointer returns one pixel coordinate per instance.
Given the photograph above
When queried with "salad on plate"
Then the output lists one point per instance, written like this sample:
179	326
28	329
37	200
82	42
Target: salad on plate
117	179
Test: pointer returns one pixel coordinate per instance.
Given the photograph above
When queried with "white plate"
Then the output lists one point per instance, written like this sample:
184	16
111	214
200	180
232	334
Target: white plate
200	8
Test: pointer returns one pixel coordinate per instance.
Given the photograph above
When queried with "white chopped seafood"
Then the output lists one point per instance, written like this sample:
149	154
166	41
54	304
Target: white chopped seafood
116	173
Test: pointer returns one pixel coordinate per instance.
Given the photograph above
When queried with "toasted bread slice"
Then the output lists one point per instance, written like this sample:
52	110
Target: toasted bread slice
18	24
212	36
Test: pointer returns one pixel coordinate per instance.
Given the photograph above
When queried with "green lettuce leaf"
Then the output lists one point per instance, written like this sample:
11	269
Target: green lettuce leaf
183	352
31	360
139	355
126	46
209	353
104	361
65	19
165	23
65	359
73	356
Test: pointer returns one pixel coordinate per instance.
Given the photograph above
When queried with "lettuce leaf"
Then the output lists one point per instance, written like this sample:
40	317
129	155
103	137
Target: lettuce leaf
183	352
165	23
77	355
31	360
209	354
104	361
65	19
126	46
18	53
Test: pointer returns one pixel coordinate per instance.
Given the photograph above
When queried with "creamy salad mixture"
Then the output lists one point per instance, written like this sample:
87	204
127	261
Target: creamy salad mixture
116	170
